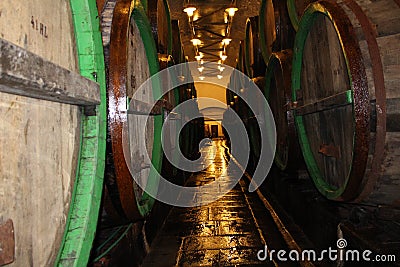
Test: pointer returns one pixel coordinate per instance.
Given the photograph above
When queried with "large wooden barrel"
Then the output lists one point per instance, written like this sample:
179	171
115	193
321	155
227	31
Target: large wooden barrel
186	92
178	53
347	90
276	30
161	24
133	59
160	20
296	9
240	61
253	59
278	88
52	160
252	124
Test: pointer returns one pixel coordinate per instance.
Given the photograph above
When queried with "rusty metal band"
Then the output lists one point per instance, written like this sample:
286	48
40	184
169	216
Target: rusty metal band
117	99
380	94
361	107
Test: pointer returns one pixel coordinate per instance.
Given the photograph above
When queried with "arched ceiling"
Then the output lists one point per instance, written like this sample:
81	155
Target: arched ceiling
210	26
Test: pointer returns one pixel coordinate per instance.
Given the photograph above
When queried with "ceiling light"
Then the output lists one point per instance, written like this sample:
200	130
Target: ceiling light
226	41
225	18
201	78
231	11
235	96
200	69
190	10
220	77
221	69
232	103
199	56
223	57
196	41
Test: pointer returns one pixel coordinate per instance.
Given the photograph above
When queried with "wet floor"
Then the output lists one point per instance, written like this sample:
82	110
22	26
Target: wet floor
225	232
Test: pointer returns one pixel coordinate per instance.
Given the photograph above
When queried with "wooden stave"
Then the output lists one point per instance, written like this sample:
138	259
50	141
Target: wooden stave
365	185
280	64
134	209
296	9
160	20
253	58
251	123
81	185
281	35
167	47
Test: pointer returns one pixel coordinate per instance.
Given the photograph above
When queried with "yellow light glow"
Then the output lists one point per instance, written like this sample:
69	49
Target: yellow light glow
231	11
190	10
196	41
235	96
226	41
198	57
232	103
223	57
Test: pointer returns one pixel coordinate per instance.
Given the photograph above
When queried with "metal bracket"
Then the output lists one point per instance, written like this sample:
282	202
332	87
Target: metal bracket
7	242
330	150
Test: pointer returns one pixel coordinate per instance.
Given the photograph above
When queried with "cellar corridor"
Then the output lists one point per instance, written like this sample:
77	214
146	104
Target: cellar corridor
226	232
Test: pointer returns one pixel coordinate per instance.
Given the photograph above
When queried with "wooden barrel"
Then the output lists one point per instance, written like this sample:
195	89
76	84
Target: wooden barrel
186	92
276	30
161	24
346	86
52	164
278	93
252	124
296	9
160	20
240	61
253	59
178	53
133	59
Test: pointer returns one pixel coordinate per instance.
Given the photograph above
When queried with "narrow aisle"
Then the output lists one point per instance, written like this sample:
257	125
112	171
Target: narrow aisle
222	233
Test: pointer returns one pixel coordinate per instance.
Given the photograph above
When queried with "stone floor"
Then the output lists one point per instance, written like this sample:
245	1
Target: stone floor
226	232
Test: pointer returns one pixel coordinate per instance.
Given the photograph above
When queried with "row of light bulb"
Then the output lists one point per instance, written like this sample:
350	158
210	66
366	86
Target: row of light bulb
197	42
191	9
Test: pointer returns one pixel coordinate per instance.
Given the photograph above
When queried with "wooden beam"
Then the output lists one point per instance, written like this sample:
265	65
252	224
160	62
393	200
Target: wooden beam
24	73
